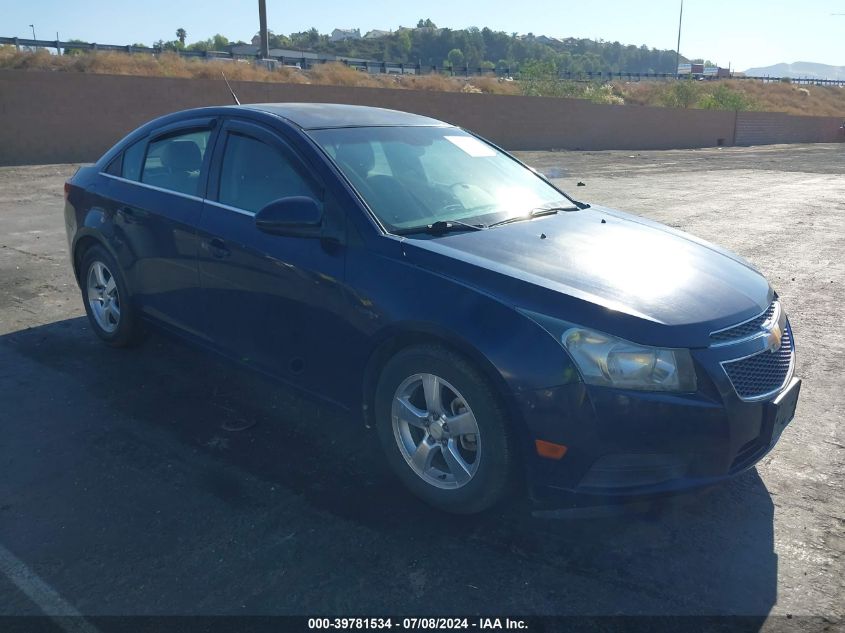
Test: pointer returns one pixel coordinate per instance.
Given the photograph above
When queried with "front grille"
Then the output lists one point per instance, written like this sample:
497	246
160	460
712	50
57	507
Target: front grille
763	373
746	329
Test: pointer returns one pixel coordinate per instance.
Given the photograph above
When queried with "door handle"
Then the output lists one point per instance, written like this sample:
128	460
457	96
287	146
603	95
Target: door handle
218	248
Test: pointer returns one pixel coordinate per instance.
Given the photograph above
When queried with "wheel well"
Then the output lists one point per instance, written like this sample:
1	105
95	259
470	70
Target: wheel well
391	346
79	251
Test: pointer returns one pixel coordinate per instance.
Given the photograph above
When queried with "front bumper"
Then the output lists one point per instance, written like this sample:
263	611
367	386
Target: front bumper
623	444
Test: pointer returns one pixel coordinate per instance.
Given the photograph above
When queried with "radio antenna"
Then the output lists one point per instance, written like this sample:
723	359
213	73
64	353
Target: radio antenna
234	96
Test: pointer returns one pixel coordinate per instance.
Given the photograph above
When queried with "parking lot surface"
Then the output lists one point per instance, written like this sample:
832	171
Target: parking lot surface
123	492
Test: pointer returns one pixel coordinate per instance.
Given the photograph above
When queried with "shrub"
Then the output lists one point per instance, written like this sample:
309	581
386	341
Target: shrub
603	93
683	93
541	79
723	98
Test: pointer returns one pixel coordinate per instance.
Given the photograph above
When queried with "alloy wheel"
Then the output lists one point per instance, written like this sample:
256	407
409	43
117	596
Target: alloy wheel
103	297
436	431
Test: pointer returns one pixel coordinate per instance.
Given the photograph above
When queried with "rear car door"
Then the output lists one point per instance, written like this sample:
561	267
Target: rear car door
156	192
273	302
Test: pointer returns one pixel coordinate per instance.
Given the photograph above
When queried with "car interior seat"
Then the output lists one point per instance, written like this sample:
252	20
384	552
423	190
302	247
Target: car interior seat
182	160
392	198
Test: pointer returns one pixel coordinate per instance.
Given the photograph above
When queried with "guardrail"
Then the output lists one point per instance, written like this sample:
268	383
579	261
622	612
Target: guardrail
398	68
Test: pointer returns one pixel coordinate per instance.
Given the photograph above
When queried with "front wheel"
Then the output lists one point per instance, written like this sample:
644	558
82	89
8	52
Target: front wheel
443	430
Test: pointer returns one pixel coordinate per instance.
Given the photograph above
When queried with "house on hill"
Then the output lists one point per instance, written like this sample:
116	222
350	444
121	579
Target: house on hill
376	34
338	35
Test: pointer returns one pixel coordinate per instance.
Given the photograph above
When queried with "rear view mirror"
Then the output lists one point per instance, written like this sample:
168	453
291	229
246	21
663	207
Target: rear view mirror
296	216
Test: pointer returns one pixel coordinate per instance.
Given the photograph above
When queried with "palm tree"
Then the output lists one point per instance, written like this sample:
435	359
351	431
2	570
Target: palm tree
181	34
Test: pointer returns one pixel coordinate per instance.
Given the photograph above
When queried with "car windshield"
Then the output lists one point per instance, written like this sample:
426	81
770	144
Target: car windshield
416	176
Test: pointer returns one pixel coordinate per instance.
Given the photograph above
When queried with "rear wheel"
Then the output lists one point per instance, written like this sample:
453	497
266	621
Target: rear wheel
106	299
443	431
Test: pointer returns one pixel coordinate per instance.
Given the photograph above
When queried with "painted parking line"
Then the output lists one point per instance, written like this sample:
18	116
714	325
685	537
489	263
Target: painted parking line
43	595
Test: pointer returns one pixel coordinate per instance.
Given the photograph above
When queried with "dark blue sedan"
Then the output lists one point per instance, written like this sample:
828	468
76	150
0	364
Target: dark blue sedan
501	337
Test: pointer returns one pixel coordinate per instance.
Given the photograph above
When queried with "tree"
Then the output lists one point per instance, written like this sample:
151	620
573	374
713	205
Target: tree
74	51
434	46
455	58
219	42
403	44
216	43
278	41
313	36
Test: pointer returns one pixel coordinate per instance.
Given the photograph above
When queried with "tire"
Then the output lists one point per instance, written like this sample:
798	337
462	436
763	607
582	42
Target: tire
463	469
107	300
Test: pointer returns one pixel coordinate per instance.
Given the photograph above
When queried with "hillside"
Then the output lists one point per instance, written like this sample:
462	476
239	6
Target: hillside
740	95
536	80
429	45
799	70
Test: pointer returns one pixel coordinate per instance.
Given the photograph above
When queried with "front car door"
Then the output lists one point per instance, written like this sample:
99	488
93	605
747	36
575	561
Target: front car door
271	301
155	188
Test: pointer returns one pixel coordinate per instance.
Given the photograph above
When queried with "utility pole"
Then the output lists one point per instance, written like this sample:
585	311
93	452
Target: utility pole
262	20
678	50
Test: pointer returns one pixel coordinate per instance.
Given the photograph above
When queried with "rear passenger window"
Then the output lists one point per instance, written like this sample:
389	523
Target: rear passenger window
132	158
255	173
174	162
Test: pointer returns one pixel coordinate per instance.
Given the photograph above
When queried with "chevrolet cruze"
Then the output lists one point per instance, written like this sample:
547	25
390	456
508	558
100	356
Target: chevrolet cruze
500	337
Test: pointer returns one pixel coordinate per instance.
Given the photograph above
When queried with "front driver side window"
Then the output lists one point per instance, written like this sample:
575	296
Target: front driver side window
255	173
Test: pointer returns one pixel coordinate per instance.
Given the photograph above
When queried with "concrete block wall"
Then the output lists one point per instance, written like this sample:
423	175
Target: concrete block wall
53	117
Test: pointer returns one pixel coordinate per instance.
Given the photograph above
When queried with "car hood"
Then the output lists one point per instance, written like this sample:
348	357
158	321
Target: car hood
605	269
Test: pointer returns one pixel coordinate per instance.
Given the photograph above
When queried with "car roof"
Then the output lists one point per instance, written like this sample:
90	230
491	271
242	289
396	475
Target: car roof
310	116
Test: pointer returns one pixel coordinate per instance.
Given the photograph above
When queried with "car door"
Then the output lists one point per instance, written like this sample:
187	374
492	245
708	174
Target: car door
156	195
273	302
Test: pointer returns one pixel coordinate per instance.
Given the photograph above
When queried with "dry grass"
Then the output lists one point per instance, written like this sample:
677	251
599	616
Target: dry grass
435	83
789	98
143	65
492	85
340	75
780	97
770	97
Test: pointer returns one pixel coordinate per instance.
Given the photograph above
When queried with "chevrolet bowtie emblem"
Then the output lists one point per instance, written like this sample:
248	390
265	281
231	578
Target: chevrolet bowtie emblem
774	337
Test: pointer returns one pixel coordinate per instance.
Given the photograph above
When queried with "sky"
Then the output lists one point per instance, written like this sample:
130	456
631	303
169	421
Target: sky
742	33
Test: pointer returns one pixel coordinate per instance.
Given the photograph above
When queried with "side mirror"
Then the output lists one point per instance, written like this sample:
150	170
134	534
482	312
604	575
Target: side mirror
297	216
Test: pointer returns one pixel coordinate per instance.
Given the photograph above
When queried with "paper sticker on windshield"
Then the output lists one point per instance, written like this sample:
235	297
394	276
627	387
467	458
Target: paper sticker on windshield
472	146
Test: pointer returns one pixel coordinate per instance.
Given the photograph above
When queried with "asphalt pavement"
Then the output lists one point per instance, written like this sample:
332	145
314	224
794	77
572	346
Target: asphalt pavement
122	492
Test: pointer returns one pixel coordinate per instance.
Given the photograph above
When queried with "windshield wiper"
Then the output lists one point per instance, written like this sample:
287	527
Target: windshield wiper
534	213
440	227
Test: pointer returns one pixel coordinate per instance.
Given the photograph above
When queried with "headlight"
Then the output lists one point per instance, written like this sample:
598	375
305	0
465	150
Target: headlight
613	362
